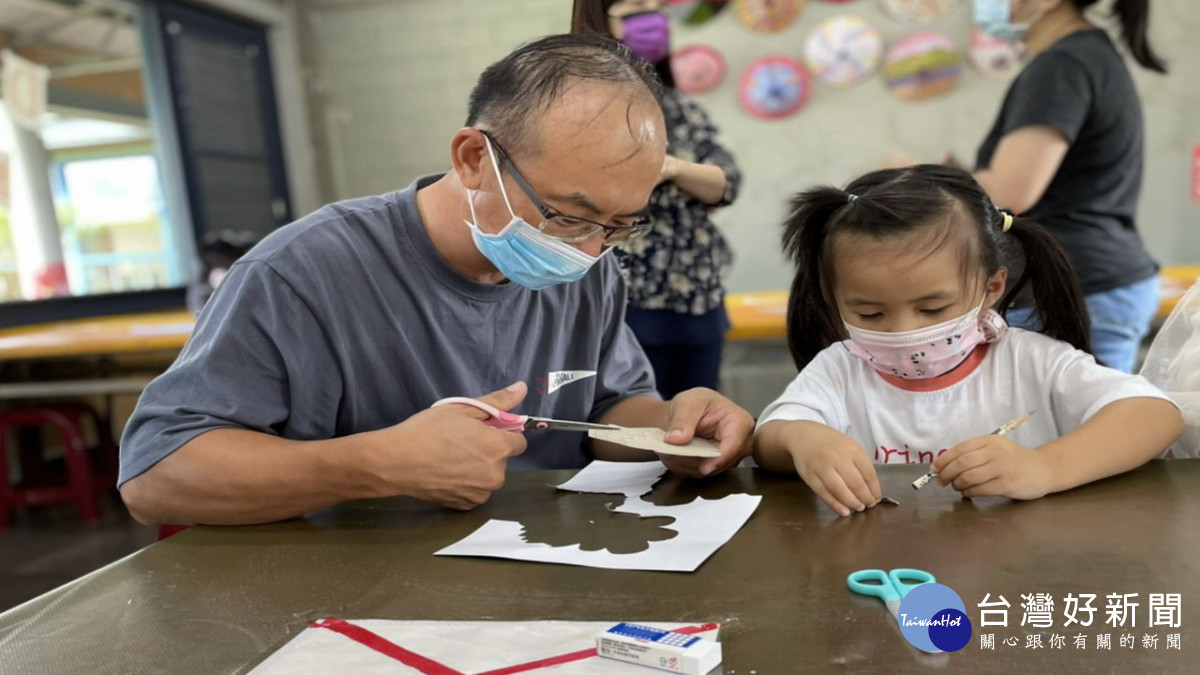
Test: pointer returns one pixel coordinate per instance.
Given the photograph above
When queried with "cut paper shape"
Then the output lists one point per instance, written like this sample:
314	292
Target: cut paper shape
669	492
843	51
632	479
378	647
922	66
768	16
654	439
698	69
703	525
917	11
994	58
775	87
605	530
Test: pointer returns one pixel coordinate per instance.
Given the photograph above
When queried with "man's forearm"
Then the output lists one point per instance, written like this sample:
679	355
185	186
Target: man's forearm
238	477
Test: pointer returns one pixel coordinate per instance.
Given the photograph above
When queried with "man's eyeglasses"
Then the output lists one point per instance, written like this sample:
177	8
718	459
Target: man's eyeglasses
570	229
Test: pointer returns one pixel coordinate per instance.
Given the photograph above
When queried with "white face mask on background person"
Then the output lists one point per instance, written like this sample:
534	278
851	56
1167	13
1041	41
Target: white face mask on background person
522	253
994	17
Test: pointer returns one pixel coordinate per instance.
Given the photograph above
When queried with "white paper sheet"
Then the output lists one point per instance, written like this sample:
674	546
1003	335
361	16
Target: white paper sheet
462	646
704	525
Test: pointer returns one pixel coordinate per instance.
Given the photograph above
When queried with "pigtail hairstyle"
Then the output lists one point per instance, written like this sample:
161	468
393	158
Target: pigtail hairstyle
1057	297
894	203
813	319
1134	17
813	322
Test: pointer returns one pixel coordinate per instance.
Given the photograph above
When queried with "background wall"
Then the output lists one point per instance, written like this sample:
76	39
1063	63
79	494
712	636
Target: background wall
389	81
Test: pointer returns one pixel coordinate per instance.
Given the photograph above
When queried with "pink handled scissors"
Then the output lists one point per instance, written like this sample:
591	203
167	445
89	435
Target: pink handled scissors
506	421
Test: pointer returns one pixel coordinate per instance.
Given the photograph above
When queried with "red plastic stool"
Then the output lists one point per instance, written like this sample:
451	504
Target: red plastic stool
82	483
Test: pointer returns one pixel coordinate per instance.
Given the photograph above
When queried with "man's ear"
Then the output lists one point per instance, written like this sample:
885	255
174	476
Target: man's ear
468	154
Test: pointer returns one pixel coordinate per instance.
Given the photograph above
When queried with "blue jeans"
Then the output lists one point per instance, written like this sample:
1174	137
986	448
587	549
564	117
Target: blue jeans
1120	320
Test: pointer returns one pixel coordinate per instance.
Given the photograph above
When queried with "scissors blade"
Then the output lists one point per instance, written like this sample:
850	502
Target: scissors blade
548	424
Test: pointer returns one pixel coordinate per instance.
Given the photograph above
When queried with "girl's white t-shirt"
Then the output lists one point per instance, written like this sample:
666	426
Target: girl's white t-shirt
1022	372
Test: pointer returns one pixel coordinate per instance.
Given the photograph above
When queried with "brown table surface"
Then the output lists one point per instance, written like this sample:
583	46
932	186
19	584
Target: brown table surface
219	600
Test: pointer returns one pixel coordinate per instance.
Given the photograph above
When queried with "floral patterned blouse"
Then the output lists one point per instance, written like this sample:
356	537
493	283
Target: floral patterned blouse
680	263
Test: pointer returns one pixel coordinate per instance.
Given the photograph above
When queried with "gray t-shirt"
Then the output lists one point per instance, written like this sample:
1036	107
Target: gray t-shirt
348	320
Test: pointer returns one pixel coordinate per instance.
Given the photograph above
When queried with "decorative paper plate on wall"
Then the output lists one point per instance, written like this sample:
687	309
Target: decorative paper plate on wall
843	51
774	87
994	58
917	11
768	16
697	68
922	66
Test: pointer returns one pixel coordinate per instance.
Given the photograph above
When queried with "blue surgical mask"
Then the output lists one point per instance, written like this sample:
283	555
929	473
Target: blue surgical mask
994	18
522	253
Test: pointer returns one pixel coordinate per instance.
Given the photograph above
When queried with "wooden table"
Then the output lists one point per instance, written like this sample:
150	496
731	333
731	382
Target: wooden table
120	334
105	338
219	600
762	315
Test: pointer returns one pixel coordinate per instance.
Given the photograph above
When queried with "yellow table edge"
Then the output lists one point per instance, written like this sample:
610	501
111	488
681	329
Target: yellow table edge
762	315
117	334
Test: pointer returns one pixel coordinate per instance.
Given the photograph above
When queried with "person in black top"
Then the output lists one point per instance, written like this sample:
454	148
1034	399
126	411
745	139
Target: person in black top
676	272
1067	151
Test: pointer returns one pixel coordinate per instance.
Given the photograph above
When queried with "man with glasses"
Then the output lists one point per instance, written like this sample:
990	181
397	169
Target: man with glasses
311	374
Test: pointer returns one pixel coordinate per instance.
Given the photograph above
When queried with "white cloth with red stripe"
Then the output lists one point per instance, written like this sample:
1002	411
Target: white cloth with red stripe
365	647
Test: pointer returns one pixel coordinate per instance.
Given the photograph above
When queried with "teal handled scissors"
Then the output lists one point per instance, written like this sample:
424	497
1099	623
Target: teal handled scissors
891	587
506	421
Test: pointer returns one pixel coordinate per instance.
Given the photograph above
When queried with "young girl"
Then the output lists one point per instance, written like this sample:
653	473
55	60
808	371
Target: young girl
907	264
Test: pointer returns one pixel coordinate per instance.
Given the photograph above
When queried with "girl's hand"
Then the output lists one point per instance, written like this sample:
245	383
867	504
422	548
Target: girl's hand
994	466
840	474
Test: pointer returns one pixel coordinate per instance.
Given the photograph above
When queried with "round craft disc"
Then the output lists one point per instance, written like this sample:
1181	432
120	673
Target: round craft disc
917	11
768	16
774	87
650	438
698	69
843	51
922	66
994	58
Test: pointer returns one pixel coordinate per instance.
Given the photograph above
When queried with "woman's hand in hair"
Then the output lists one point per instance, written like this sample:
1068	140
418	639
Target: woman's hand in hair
994	466
705	182
951	161
897	159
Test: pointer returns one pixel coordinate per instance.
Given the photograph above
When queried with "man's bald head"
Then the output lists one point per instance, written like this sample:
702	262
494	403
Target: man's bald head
514	95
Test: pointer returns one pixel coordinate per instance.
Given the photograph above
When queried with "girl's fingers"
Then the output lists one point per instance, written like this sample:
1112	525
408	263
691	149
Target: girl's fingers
976	476
841	492
965	462
867	470
818	486
857	485
991	488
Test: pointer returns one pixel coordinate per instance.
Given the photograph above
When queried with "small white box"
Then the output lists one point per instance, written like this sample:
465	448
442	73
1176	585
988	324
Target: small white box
658	648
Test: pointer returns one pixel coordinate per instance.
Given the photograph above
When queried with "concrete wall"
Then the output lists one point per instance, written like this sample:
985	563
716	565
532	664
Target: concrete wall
390	80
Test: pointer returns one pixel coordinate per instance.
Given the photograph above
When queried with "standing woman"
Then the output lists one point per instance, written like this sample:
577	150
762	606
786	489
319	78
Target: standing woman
676	296
1067	150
